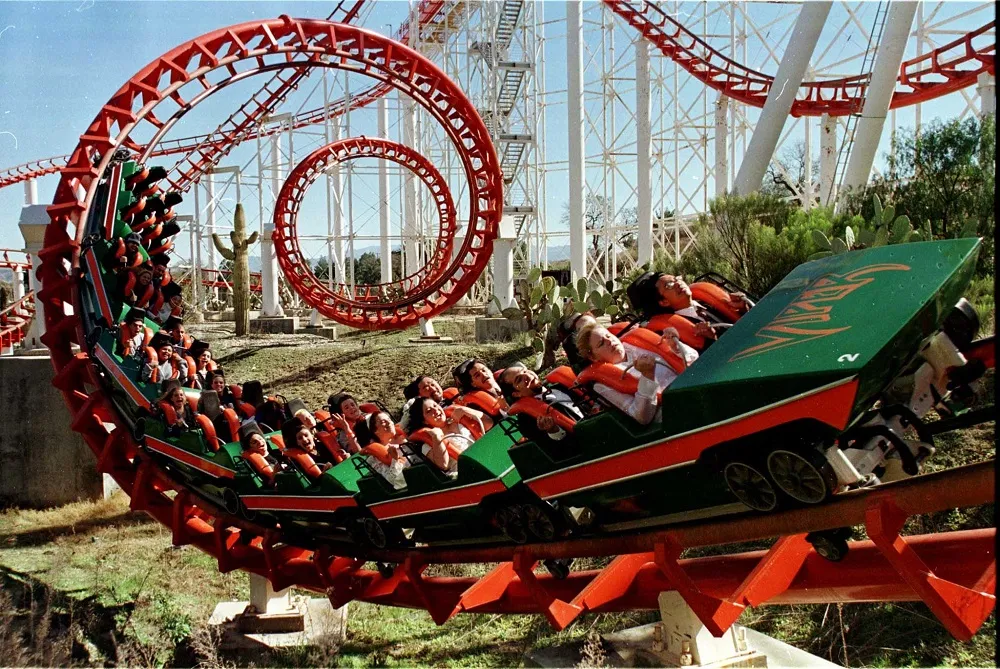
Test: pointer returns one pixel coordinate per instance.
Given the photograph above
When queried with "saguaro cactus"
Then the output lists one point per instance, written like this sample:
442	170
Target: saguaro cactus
241	269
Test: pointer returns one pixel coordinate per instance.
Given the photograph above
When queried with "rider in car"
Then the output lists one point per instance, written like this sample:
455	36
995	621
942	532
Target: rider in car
480	389
517	382
651	370
658	293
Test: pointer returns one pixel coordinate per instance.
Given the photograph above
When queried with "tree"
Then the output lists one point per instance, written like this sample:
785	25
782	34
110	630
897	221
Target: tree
941	178
786	175
367	269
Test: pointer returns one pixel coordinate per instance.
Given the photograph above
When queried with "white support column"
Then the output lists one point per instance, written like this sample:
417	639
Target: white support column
987	89
503	263
34	239
337	184
884	72
411	222
385	250
18	280
827	159
644	152
210	187
807	186
30	192
786	84
574	124
721	151
270	303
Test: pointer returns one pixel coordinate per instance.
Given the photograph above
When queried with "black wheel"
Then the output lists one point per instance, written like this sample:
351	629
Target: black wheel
558	568
248	514
540	522
508	520
385	570
373	533
94	336
231	501
961	324
139	430
830	544
805	477
750	486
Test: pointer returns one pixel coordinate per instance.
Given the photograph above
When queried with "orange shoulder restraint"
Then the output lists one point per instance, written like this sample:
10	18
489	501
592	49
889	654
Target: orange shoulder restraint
209	431
715	298
449	393
169	413
685	329
563	376
648	340
536	408
610	376
424	437
378	451
480	400
469	424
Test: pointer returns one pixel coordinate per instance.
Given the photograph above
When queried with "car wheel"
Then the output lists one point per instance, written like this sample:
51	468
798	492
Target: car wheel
232	501
508	519
750	486
830	545
805	477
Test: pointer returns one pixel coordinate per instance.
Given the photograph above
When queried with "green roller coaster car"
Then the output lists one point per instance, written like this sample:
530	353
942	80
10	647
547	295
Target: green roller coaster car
818	389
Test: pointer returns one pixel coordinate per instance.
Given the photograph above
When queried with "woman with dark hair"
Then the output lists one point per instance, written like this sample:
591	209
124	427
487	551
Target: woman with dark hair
216	380
480	389
383	453
300	448
444	436
349	421
255	452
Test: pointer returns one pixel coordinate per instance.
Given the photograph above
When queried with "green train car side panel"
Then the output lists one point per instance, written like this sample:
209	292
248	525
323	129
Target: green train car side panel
857	314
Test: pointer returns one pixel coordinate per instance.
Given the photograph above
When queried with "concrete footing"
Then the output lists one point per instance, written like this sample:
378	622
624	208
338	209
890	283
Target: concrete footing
431	339
680	640
44	463
272	621
279	325
498	329
325	331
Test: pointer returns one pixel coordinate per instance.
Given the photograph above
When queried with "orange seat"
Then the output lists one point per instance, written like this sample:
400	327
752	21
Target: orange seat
536	408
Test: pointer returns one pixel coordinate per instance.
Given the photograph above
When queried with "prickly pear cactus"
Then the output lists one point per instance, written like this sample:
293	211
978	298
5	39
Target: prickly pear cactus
241	268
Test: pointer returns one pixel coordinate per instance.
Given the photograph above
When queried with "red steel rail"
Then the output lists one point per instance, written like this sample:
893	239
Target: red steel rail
944	70
15	320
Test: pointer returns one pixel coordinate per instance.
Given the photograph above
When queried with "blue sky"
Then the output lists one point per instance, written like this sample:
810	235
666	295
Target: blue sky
60	61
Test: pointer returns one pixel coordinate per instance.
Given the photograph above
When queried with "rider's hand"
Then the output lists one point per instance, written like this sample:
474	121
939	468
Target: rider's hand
646	365
546	423
738	302
339	422
703	329
394	452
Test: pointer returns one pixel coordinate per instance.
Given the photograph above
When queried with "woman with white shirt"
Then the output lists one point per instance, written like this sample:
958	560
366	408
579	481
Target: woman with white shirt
652	370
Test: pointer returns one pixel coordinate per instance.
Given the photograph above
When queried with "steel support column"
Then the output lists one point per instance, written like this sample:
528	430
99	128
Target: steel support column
411	224
270	304
574	124
987	89
827	159
30	192
721	151
883	81
644	152
210	192
385	248
786	84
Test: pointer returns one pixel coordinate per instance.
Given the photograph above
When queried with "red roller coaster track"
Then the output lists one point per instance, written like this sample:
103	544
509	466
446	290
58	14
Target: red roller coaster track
944	70
921	79
397	304
954	573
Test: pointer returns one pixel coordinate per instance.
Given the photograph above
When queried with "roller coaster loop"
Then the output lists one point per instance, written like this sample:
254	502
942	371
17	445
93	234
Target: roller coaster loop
378	306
